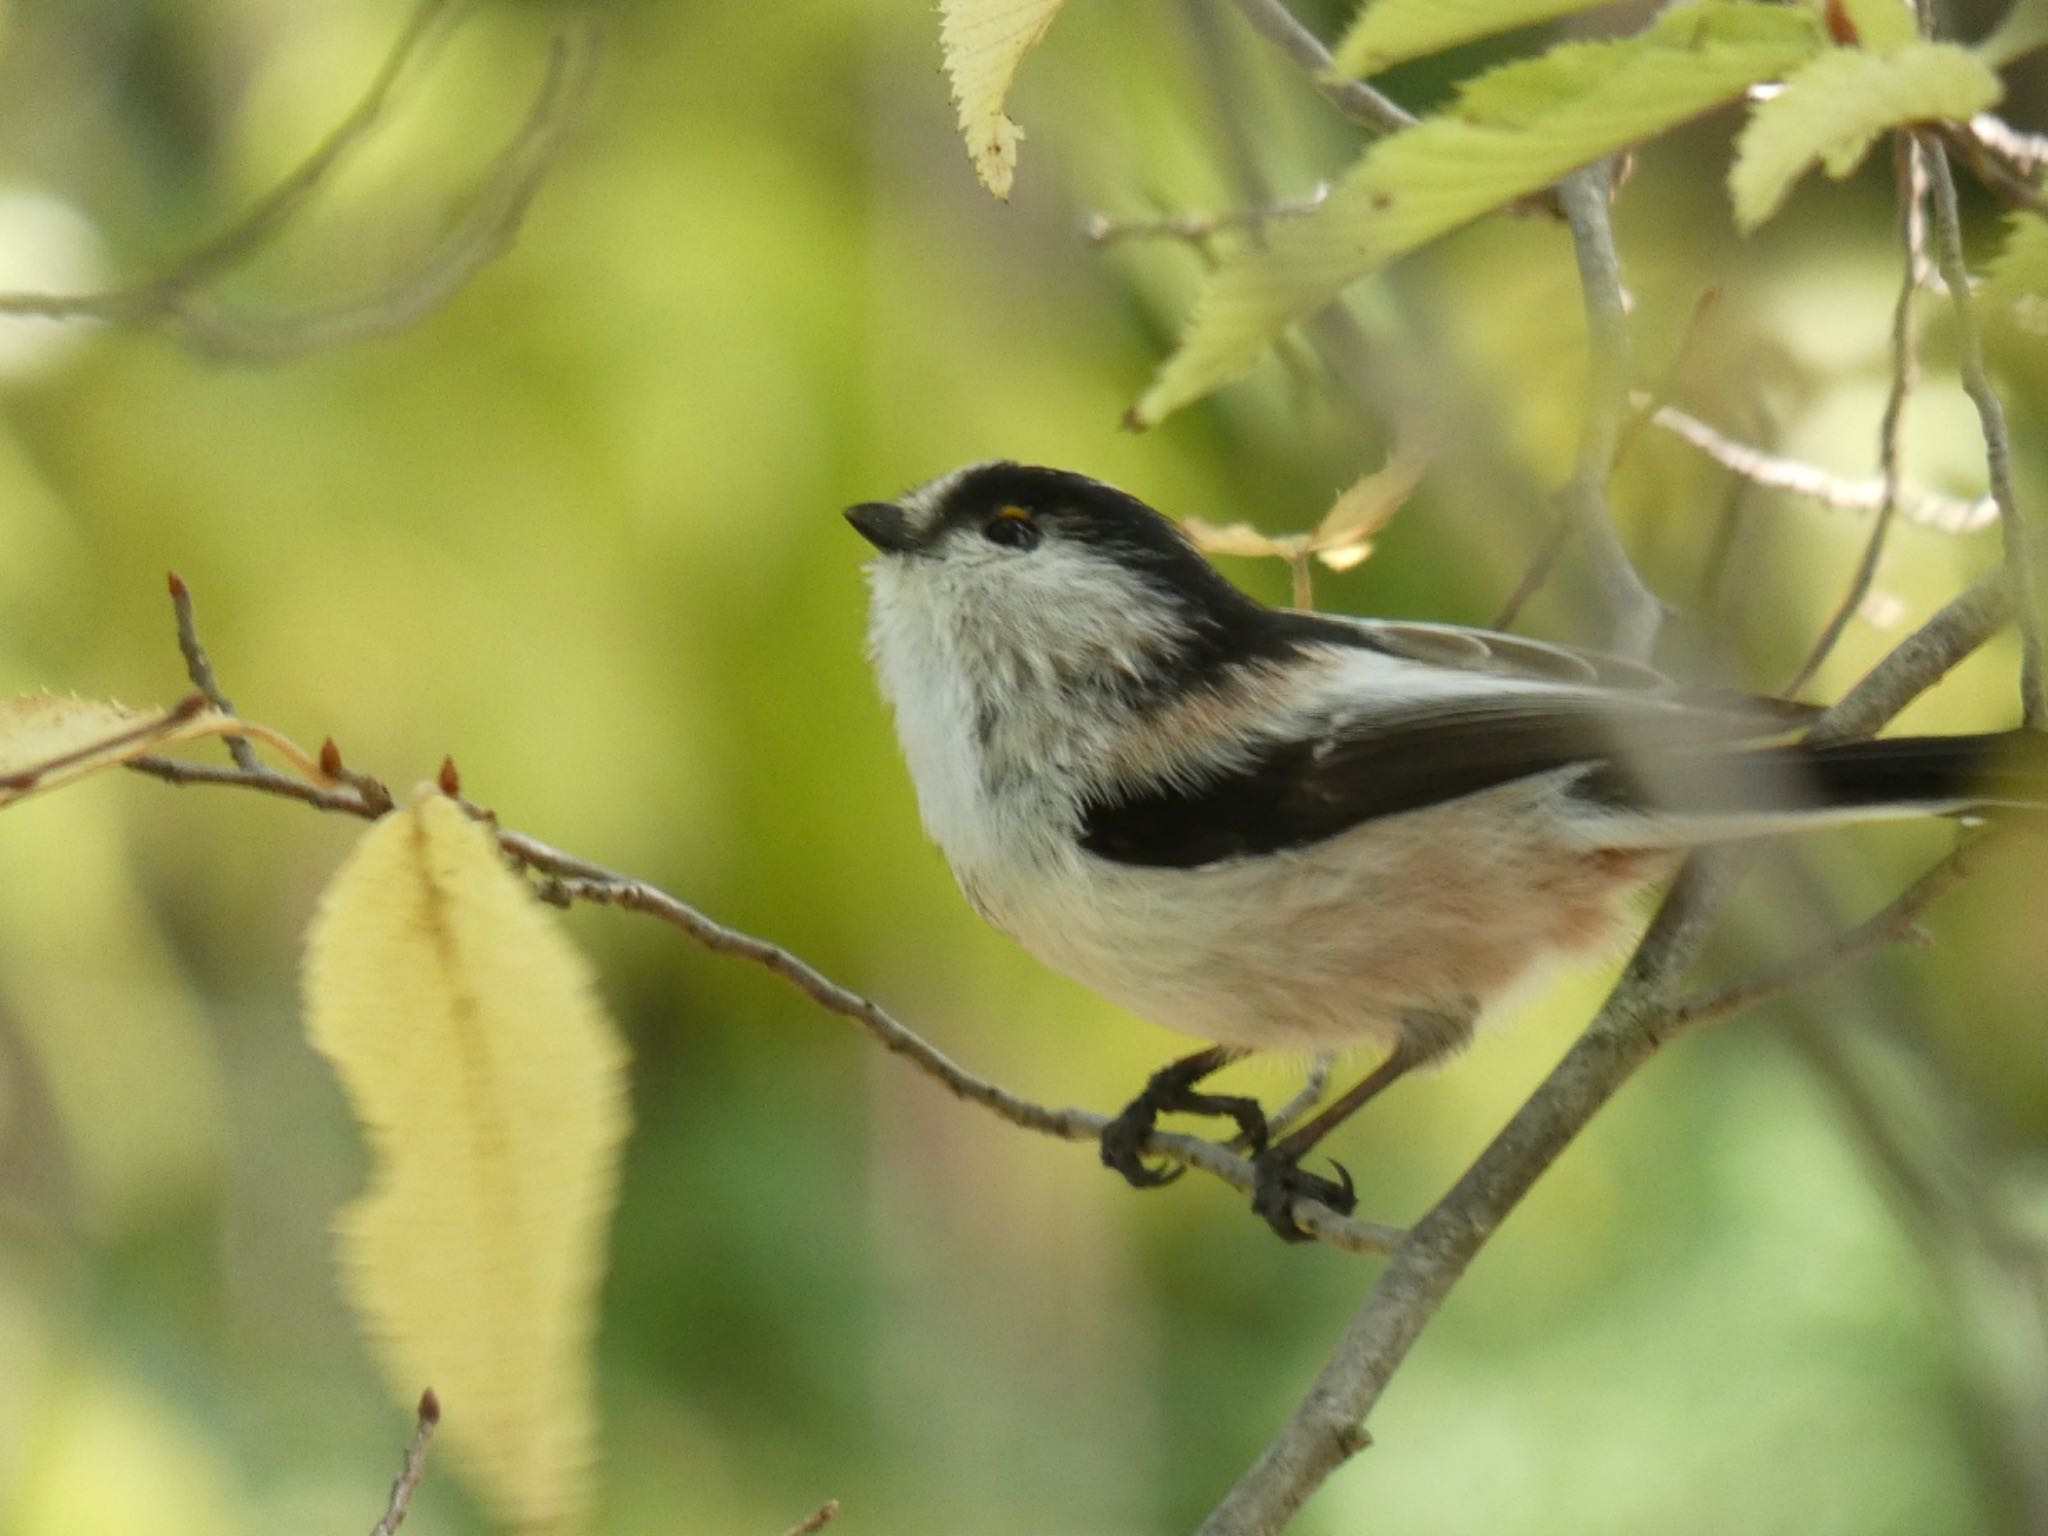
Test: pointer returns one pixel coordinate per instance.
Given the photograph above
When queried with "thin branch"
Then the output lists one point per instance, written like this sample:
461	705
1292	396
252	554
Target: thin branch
1897	923
1948	255
1634	613
572	878
1354	98
1911	175
1773	472
1991	156
2028	151
1313	1087
176	296
200	670
1199	228
415	1465
484	233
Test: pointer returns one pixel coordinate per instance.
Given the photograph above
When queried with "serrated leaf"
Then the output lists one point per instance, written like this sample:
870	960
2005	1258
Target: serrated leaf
984	43
1390	31
2014	292
1513	131
1832	110
489	1085
48	739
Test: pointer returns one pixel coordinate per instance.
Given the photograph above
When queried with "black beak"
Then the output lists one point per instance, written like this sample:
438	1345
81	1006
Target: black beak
883	525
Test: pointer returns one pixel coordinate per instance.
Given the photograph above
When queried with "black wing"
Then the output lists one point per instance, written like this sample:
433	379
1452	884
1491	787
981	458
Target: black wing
1295	792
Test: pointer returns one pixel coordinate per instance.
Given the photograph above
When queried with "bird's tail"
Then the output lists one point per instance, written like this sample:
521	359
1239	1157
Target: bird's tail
1721	796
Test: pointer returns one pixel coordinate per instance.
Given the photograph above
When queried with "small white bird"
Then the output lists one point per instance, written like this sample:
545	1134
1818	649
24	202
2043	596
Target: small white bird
1278	830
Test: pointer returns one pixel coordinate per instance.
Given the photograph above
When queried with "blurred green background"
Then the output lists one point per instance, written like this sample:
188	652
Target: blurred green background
579	528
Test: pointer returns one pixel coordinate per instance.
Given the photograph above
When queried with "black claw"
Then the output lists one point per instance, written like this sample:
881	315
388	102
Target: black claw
1172	1091
1278	1181
1122	1142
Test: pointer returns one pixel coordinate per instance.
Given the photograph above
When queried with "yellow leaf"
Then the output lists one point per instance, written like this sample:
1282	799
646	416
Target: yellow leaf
47	740
984	43
488	1083
1389	31
1832	110
1512	132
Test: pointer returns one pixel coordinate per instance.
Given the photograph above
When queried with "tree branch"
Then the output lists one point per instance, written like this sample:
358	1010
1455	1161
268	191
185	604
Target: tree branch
1897	923
1911	176
1776	473
1633	611
177	297
1354	98
415	1466
1948	256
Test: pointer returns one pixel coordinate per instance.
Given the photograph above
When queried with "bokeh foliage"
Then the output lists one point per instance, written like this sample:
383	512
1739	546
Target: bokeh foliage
579	529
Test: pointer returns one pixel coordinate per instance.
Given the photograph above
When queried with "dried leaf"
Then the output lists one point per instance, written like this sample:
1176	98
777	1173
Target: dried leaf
984	43
47	739
1243	539
1344	537
489	1085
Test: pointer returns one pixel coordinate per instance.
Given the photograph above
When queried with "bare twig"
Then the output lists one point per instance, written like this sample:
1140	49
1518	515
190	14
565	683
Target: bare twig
200	670
1200	228
177	296
1911	177
1354	98
1948	255
1634	614
1776	473
2027	151
1897	923
415	1464
1989	153
1311	1094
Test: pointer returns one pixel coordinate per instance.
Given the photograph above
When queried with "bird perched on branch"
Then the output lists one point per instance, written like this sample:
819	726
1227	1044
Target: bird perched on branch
1274	830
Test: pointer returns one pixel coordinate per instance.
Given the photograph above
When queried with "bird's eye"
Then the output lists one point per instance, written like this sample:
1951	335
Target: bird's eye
1012	528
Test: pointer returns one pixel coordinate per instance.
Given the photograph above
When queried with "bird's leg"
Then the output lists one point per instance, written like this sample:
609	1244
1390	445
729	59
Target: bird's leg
1171	1090
1278	1178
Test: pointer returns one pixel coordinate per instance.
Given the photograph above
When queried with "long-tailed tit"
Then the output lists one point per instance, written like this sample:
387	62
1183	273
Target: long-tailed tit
1278	830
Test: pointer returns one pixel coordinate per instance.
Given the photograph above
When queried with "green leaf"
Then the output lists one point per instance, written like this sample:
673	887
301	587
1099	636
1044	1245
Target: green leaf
1834	108
1512	132
2024	29
1879	25
984	43
2014	294
1389	31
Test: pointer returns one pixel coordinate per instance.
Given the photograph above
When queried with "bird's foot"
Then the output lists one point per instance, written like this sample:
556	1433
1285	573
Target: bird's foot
1124	1138
1278	1180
